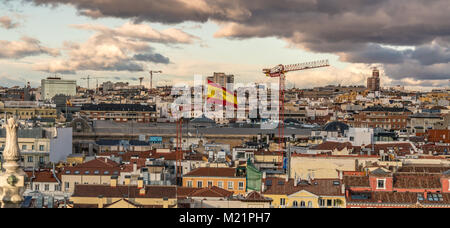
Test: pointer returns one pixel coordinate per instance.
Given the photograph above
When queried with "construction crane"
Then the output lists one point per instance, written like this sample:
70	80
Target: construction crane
151	77
179	149
280	72
89	78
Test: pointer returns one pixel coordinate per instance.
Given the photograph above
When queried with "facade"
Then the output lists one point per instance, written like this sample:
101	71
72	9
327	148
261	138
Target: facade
45	182
120	112
229	179
222	79
34	145
56	86
374	82
384	189
381	117
306	193
422	122
28	110
94	172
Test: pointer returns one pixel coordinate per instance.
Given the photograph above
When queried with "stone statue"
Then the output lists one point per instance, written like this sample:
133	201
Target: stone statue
12	180
11	151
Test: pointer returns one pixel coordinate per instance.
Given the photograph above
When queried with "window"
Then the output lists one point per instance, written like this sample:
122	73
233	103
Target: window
189	184
241	185
41	148
210	184
329	203
30	158
282	202
310	205
295	204
87	172
230	185
302	204
381	184
24	147
41	160
47	187
321	203
57	188
36	187
199	184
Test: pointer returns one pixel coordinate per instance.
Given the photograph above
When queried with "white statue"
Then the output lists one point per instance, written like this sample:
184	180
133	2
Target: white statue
11	151
12	180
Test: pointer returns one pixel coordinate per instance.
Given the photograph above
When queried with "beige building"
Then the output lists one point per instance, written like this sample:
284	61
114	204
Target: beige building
34	146
95	172
325	166
26	110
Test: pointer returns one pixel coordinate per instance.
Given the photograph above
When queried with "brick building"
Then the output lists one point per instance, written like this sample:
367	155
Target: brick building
387	118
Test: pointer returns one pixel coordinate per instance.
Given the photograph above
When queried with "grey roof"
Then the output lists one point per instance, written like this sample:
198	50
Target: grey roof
26	133
385	109
111	127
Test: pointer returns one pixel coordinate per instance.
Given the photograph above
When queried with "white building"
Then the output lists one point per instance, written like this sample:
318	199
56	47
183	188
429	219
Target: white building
56	86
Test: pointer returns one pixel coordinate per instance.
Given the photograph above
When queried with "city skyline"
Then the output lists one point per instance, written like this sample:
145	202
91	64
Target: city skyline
213	36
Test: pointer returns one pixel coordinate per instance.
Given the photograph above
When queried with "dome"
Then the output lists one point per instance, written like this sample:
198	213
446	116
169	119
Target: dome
336	126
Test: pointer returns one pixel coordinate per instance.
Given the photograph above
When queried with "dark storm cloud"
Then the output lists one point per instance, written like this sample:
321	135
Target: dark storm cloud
357	30
152	57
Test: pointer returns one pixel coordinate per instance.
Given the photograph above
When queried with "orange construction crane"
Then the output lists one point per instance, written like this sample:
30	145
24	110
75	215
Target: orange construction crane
280	72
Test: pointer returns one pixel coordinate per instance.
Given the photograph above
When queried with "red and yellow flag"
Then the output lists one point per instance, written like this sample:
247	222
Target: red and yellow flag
220	96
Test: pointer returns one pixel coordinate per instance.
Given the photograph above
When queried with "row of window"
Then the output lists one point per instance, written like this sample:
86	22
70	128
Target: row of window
31	159
220	184
56	187
25	147
96	172
322	203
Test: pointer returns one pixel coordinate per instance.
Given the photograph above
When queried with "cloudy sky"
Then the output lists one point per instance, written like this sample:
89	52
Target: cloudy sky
116	39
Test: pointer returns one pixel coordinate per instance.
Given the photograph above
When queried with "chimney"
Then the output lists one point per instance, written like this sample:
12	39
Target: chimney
141	183
142	192
342	188
264	175
100	201
127	180
341	175
134	167
106	160
114	181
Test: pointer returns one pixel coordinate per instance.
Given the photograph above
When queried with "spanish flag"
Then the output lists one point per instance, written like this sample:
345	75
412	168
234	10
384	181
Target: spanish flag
220	96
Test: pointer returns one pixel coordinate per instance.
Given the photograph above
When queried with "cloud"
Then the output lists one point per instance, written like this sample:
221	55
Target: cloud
125	48
143	32
25	47
359	31
152	57
7	23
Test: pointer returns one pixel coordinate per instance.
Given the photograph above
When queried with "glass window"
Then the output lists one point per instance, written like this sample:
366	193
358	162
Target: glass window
241	185
47	187
295	204
302	204
381	184
189	184
220	184
282	202
30	158
230	185
199	184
